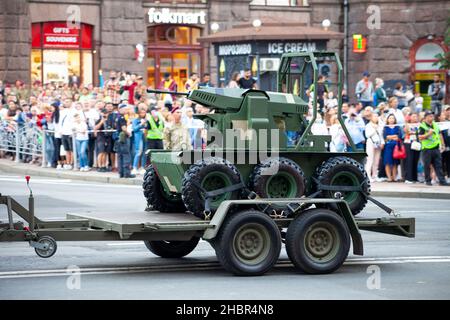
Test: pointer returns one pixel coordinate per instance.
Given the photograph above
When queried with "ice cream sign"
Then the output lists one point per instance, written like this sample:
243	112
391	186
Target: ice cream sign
165	15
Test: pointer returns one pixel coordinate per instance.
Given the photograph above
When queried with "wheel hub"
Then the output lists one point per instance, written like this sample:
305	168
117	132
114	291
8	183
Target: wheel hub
251	244
280	186
321	242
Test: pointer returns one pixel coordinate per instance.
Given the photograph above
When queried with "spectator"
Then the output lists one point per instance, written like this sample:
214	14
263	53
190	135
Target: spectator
155	129
380	93
432	143
418	99
234	80
192	83
130	86
81	138
206	81
445	117
355	127
364	90
391	135
374	144
123	143
400	95
338	138
331	101
168	84
393	109
139	125
367	115
436	91
247	81
66	131
412	155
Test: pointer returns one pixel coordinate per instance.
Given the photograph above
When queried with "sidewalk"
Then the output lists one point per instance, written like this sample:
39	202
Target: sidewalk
382	189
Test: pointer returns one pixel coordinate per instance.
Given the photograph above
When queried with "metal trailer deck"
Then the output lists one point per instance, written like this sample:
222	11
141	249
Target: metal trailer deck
156	227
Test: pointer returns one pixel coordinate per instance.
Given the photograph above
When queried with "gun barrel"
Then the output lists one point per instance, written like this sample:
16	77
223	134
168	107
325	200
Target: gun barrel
168	92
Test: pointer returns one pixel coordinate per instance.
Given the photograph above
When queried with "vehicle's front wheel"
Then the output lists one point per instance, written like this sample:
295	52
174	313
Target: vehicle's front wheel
157	198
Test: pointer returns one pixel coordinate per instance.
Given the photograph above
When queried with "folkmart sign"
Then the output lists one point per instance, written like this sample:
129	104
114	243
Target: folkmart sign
166	16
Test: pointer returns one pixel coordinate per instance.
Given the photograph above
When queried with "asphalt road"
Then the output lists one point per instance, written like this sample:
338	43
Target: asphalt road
407	268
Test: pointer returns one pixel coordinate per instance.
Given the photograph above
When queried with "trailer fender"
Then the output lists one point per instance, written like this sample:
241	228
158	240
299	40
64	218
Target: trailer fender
357	241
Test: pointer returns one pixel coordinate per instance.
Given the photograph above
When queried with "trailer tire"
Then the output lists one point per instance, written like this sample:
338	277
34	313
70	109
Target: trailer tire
248	243
318	241
210	173
155	195
288	182
172	249
348	172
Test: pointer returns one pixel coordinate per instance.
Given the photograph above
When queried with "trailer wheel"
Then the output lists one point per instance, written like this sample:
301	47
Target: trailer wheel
50	247
157	197
248	243
318	241
287	182
211	174
172	249
344	171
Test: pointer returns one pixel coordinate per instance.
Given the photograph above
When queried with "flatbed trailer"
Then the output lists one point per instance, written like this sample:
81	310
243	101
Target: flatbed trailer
247	239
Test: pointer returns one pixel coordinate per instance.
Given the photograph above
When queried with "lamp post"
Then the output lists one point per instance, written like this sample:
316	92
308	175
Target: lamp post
257	23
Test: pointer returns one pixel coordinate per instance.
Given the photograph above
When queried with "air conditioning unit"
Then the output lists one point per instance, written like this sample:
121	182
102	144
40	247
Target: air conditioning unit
269	64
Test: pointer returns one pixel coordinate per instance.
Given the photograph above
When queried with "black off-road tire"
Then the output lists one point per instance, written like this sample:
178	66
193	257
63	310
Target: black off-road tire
321	257
248	243
199	173
155	195
344	171
172	249
291	179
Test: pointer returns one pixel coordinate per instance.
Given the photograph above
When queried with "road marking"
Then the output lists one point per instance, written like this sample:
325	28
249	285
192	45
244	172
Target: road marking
69	182
213	265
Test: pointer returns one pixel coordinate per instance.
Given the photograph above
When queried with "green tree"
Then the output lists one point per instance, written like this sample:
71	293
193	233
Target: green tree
444	58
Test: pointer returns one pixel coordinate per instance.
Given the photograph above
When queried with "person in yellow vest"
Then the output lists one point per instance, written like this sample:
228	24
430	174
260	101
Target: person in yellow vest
432	145
176	136
155	129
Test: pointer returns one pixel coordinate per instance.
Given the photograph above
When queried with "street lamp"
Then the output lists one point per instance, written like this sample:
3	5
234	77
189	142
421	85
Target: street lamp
326	24
257	24
215	27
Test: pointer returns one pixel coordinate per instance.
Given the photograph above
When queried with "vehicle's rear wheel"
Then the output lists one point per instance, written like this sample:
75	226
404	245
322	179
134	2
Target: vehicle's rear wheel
248	243
278	178
211	174
157	197
344	171
318	241
172	249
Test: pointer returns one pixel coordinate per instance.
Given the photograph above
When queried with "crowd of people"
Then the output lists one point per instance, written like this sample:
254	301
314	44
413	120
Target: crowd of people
111	126
402	140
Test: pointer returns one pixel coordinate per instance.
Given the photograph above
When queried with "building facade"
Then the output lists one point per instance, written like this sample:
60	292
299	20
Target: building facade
50	40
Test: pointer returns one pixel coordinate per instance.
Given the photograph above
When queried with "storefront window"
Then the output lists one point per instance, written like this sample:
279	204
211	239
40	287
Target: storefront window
59	52
173	49
291	3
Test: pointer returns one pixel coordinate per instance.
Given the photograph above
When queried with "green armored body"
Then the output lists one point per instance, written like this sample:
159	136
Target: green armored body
250	153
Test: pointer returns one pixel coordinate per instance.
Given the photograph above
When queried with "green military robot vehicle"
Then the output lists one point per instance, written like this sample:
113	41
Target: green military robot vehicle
250	152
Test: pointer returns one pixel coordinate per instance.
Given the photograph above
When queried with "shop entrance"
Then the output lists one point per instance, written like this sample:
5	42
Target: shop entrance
423	56
175	50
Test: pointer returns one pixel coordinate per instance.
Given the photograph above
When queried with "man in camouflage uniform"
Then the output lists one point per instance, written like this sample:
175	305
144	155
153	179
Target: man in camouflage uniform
176	136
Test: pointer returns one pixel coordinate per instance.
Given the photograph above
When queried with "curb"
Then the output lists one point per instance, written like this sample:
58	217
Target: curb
36	171
68	175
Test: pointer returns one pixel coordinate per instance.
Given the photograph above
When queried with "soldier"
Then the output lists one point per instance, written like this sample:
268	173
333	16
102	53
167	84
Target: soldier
176	136
123	144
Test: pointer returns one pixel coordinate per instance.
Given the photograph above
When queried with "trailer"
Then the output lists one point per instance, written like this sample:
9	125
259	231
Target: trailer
247	235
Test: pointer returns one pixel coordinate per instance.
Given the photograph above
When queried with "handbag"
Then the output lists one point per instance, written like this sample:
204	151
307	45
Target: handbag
416	145
399	151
